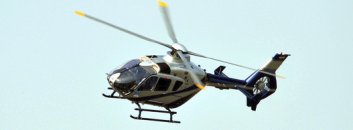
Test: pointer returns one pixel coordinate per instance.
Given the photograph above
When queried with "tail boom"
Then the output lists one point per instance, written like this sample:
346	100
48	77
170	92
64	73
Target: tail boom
256	87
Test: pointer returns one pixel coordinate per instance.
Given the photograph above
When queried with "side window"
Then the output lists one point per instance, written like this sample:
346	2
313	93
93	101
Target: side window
177	85
148	84
162	85
164	68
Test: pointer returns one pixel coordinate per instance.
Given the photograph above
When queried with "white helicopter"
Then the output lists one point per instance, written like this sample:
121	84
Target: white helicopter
171	80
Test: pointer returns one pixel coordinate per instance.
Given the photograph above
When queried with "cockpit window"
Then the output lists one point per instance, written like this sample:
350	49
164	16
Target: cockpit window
139	73
148	84
131	64
128	65
130	75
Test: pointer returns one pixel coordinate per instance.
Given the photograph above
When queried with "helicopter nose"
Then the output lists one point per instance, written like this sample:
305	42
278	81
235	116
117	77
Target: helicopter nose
112	78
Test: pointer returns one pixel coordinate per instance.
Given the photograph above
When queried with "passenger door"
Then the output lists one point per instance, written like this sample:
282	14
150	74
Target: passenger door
153	85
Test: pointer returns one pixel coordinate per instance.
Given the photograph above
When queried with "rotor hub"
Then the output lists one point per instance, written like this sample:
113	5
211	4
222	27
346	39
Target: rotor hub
179	47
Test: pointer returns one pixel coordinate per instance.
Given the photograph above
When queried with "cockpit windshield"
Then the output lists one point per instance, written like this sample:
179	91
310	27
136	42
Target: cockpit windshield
139	73
129	64
129	75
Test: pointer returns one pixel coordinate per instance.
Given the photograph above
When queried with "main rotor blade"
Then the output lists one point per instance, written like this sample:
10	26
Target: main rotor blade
167	21
193	76
242	66
122	29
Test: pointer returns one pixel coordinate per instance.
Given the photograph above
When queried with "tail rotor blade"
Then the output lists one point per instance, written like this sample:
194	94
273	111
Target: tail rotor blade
122	29
167	20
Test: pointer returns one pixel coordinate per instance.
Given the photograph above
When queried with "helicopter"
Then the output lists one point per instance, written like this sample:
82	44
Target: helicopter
171	80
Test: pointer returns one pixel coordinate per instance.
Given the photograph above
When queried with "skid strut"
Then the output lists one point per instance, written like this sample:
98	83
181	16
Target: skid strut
140	110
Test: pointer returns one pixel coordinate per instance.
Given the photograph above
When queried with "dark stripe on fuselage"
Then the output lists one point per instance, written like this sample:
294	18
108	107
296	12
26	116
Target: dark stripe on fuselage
163	95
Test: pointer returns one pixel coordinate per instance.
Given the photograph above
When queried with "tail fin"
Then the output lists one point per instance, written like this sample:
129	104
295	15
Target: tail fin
263	85
275	63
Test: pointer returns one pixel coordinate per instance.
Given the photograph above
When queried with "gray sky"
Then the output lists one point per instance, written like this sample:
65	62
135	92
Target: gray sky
53	63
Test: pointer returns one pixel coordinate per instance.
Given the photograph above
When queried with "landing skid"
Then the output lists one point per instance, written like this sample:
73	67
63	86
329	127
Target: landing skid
112	95
140	110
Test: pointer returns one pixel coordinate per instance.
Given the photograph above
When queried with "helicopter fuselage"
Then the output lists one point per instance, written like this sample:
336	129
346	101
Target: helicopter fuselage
156	79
